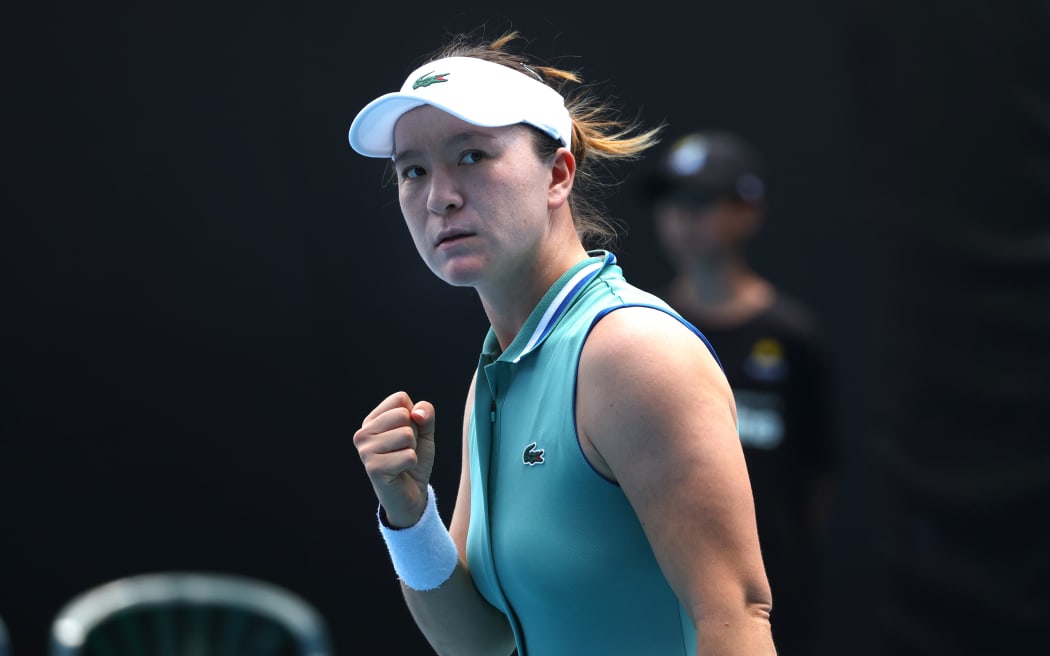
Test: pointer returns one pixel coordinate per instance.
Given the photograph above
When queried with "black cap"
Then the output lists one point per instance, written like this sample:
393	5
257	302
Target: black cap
708	165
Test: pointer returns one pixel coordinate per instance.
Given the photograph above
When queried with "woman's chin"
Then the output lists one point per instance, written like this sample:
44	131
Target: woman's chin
459	273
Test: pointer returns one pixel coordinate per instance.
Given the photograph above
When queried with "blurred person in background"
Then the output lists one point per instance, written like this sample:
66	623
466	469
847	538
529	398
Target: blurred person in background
706	193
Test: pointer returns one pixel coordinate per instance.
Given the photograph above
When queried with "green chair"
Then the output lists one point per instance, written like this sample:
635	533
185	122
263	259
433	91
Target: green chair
188	614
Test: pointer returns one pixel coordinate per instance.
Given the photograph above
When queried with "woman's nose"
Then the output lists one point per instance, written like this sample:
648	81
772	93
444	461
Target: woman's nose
444	194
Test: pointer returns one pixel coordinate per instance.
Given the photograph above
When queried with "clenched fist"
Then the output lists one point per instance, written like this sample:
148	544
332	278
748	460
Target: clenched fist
396	445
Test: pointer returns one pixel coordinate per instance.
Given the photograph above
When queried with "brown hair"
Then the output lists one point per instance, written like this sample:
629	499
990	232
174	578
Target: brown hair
601	137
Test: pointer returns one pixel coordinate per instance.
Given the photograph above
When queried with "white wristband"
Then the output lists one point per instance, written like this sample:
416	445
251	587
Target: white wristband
423	554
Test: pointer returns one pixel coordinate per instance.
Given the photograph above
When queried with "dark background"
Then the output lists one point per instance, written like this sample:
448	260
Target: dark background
207	289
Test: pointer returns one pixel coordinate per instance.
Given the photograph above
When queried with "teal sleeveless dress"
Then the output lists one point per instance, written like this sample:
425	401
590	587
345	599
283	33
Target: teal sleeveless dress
552	543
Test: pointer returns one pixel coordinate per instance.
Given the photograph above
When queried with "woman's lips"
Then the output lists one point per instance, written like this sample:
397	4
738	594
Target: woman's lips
452	237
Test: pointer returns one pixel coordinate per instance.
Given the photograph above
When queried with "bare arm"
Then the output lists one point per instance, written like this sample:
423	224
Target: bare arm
670	401
396	445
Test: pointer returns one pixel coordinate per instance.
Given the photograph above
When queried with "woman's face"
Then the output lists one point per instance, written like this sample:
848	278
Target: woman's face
475	199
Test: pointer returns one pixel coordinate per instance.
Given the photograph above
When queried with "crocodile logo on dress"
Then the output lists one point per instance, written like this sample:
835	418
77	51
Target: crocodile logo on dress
532	455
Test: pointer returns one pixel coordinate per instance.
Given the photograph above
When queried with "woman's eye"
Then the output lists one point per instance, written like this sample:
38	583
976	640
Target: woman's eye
412	172
472	157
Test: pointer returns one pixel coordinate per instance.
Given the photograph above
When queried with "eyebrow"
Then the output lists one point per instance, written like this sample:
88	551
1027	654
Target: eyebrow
454	140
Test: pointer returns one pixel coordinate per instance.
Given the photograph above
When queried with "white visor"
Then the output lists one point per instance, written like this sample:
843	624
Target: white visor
477	91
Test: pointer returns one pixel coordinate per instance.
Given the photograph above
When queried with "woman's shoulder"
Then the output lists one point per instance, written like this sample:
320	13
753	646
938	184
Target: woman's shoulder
649	341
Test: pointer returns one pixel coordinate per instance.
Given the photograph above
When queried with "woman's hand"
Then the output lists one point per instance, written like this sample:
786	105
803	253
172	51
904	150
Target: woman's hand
396	445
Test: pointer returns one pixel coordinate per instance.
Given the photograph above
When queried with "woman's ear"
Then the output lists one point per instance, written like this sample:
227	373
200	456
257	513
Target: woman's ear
563	172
